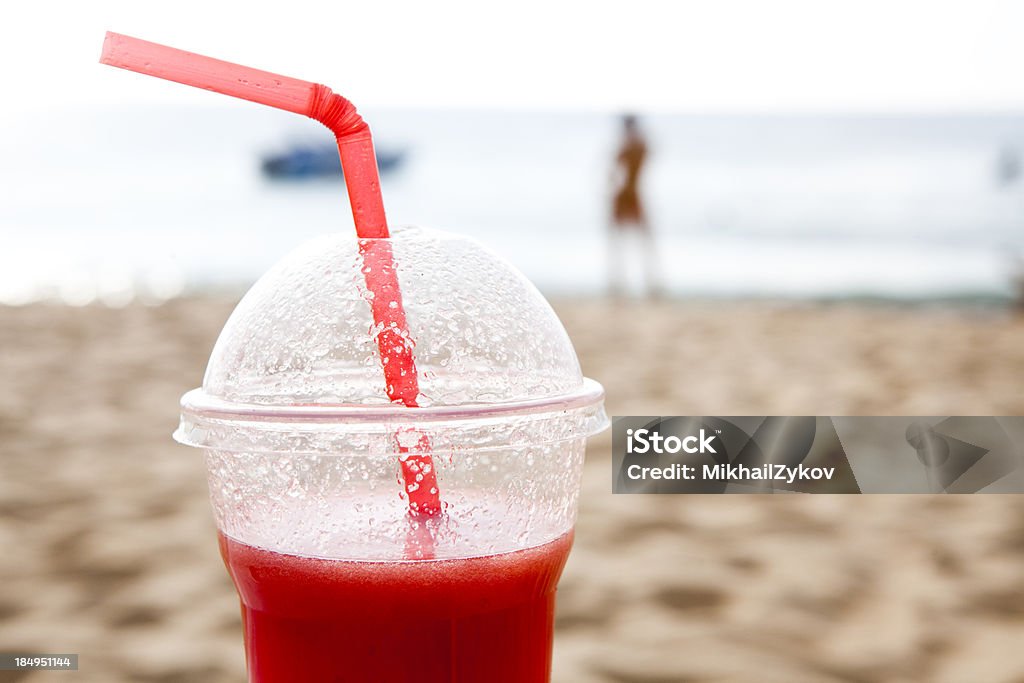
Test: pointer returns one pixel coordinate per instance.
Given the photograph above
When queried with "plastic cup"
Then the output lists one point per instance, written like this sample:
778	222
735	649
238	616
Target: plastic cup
338	580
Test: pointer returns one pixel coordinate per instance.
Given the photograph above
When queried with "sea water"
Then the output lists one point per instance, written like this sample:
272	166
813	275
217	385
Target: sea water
153	203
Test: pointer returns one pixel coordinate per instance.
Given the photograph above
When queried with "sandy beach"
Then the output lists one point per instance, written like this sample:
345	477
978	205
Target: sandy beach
109	543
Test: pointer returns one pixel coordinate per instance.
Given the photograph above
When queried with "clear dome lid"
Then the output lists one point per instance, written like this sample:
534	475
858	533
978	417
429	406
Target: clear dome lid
302	345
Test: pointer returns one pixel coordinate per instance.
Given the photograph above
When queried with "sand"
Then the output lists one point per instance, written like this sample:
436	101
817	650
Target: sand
108	544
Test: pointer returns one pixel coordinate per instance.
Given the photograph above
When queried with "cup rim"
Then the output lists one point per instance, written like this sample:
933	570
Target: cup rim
198	404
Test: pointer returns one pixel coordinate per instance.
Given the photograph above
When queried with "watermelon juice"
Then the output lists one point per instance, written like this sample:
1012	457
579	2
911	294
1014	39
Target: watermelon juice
484	618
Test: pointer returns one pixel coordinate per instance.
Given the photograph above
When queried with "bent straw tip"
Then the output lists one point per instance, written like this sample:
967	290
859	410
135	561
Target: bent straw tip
109	46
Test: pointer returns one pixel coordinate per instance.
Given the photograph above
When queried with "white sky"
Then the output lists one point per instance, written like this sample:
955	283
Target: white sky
714	55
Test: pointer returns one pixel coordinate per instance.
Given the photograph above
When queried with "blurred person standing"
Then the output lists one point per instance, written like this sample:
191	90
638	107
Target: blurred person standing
1007	172
1007	166
628	213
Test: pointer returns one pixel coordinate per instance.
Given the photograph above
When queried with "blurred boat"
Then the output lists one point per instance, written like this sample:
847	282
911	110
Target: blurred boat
309	162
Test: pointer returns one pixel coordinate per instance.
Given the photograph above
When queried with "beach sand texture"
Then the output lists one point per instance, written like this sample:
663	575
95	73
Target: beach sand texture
109	549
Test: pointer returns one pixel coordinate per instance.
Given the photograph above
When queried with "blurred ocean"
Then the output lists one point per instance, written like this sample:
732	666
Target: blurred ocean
152	203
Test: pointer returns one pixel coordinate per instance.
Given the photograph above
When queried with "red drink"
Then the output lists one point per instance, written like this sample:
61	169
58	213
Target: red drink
430	621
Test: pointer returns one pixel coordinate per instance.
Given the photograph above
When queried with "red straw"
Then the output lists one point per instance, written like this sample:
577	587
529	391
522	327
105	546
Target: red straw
355	146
